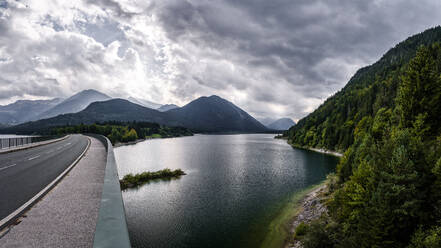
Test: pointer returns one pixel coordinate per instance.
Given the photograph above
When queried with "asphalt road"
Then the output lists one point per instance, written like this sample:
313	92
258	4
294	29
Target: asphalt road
25	173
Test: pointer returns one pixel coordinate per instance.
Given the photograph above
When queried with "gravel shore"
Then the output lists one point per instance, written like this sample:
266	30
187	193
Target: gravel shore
311	208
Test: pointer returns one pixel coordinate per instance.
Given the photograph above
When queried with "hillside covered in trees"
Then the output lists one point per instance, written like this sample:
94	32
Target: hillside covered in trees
331	126
387	189
125	131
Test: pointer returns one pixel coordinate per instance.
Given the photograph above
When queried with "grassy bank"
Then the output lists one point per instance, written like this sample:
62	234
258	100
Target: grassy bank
278	230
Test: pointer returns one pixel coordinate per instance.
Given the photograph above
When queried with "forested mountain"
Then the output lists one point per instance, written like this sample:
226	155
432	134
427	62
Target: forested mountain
205	114
387	190
25	110
332	125
215	114
75	103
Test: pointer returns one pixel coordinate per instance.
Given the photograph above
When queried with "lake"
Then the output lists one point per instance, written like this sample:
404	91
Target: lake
234	187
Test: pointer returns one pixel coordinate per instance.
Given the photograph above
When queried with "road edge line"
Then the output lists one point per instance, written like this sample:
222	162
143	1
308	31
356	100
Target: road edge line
11	218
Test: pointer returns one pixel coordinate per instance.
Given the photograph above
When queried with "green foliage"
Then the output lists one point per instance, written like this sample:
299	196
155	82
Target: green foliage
130	180
420	89
388	187
426	239
129	136
300	230
318	235
126	132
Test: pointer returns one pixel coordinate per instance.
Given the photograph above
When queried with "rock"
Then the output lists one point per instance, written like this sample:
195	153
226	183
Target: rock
312	208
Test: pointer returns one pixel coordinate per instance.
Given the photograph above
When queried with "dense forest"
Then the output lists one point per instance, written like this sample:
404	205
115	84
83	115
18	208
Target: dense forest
387	189
125	131
331	126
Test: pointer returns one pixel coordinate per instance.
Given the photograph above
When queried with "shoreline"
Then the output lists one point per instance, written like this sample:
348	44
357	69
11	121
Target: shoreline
119	144
281	229
333	153
319	150
311	209
131	142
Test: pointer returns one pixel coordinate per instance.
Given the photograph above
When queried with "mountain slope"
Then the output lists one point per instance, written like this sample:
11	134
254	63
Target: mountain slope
331	125
281	124
75	103
25	110
167	107
267	120
214	114
144	103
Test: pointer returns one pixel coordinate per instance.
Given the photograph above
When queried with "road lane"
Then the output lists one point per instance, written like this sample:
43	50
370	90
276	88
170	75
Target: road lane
24	173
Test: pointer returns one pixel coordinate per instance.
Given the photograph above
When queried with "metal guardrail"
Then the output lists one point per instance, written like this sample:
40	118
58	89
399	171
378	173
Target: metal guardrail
6	143
14	142
111	228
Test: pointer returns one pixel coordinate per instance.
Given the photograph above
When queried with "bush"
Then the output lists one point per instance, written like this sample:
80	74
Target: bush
130	180
317	236
300	230
426	239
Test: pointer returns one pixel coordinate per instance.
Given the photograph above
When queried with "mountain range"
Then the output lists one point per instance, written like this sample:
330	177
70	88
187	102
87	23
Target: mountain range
25	110
30	110
205	114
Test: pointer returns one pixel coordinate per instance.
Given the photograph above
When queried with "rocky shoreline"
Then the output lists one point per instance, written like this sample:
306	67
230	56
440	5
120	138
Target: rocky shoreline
311	209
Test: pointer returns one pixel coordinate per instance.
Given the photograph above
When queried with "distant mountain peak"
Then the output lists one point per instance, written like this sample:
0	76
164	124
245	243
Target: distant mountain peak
75	103
281	124
167	107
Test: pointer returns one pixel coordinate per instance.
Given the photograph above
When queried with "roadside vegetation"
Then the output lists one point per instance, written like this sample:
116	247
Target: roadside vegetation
388	187
126	132
131	181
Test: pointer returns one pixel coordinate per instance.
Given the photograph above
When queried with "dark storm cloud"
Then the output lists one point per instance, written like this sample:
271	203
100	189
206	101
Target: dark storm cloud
308	44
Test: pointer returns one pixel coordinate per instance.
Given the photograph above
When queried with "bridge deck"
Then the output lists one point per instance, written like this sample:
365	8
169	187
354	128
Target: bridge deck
67	215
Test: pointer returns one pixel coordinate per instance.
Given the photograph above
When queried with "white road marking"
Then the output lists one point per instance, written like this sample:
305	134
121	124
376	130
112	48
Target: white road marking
59	148
9	166
34	157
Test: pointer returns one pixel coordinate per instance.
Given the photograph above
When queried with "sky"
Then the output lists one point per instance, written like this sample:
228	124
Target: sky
278	58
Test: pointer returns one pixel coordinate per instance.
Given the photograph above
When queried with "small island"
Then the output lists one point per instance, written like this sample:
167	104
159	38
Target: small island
131	181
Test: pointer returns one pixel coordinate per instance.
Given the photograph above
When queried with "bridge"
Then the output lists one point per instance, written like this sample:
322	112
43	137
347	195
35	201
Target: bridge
61	193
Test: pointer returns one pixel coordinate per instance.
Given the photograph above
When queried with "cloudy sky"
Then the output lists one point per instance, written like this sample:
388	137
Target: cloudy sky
272	58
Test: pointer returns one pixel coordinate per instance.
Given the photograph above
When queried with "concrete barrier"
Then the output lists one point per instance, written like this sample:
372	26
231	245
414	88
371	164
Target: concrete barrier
111	228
